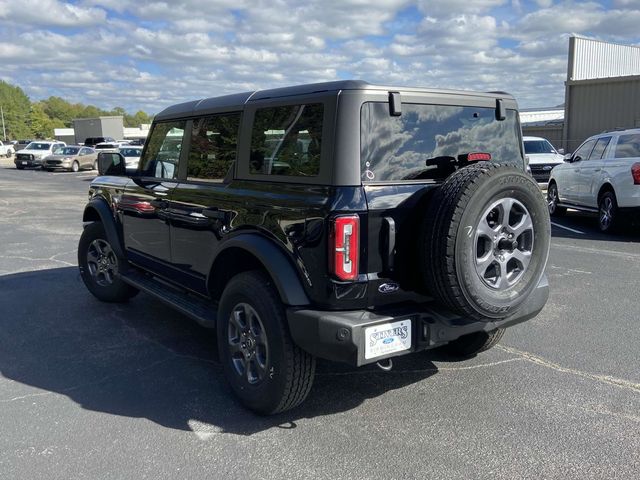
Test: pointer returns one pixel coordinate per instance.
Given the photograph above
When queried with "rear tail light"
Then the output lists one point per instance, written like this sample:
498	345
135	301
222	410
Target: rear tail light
635	173
474	157
345	247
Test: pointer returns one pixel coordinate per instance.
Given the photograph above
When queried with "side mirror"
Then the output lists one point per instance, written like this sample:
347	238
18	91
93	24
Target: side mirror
561	151
111	163
567	158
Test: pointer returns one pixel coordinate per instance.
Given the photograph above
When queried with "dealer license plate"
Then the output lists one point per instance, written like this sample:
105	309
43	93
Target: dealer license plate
387	338
24	163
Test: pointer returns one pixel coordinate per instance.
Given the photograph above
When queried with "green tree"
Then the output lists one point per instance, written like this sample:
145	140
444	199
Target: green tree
15	107
39	121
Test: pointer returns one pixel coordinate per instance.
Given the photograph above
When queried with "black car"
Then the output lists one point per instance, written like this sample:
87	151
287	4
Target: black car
341	220
93	141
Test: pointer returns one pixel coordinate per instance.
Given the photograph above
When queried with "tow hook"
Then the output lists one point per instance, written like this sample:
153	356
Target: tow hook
385	366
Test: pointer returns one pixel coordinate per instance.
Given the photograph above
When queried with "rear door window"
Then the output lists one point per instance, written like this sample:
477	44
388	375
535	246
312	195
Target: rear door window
287	140
214	142
628	146
426	141
163	149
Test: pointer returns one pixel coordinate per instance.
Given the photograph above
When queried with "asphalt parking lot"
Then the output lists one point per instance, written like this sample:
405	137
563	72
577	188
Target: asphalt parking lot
90	390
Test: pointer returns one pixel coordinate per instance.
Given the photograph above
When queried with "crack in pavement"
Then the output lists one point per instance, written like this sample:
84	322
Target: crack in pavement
606	379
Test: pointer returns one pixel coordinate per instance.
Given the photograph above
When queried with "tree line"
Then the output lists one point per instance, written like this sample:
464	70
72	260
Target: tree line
26	119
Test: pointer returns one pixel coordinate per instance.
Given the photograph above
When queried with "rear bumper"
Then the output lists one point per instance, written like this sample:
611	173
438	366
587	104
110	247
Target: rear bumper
340	336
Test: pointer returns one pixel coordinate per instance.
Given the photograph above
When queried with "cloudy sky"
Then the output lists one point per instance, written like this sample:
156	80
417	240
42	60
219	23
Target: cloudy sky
147	55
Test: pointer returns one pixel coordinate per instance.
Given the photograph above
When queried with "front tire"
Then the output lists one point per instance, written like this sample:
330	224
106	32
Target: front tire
99	266
264	368
608	212
75	166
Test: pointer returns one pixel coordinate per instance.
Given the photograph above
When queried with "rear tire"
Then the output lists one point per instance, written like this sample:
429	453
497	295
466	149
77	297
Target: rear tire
100	266
474	343
608	212
264	368
484	242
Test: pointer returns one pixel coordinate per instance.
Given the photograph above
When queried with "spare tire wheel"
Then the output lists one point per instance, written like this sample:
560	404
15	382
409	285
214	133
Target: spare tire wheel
484	241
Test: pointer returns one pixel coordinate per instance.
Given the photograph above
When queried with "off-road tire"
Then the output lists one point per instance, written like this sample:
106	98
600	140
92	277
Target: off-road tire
117	291
291	369
474	343
446	250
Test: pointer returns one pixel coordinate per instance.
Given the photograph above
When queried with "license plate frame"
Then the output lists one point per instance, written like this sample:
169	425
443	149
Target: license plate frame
387	338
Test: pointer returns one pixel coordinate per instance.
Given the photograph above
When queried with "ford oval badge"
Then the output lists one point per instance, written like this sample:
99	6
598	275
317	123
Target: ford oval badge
388	288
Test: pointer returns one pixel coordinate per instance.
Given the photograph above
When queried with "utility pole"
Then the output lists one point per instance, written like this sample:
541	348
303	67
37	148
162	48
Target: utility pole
4	132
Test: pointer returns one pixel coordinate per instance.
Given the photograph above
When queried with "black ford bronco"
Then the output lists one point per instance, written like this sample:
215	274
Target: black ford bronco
340	220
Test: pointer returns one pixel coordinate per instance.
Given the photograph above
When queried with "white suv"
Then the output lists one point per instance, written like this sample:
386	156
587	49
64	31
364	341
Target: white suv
602	176
542	157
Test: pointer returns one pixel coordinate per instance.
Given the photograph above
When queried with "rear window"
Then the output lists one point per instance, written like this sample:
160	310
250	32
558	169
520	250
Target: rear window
628	146
426	140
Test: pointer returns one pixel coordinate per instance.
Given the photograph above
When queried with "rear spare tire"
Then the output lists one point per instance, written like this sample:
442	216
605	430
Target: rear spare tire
484	241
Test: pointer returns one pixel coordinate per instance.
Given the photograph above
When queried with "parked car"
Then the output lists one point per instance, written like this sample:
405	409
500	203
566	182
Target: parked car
542	157
111	146
21	144
93	141
6	150
602	176
34	153
131	155
72	158
299	226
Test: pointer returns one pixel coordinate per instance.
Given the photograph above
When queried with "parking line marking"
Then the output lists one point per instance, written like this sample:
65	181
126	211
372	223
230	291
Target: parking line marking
567	228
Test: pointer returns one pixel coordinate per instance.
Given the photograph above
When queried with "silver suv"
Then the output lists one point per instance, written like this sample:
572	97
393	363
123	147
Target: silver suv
602	176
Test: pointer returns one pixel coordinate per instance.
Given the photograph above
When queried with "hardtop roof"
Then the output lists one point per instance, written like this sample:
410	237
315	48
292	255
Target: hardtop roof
239	99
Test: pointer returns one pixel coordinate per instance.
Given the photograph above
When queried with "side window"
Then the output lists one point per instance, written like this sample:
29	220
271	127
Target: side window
287	140
584	150
214	141
598	150
163	149
628	146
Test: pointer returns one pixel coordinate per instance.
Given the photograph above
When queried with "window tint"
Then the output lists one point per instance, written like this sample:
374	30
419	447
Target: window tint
584	150
628	146
287	140
598	150
214	141
426	140
163	150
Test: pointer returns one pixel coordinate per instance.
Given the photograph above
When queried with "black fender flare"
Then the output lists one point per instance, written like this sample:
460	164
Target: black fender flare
275	261
105	216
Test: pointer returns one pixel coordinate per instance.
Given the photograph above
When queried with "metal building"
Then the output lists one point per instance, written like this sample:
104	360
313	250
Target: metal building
602	90
98	127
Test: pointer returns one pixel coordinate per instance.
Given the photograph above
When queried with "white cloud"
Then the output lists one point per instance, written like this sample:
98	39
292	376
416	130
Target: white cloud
50	13
149	54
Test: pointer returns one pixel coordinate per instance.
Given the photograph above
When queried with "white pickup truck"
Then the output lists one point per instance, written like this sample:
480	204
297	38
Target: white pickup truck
6	150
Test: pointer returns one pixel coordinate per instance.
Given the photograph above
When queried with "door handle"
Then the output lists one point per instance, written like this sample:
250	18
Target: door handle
157	203
597	169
